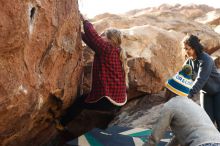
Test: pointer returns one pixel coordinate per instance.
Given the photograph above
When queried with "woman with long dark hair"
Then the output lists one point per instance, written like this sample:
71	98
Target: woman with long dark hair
205	75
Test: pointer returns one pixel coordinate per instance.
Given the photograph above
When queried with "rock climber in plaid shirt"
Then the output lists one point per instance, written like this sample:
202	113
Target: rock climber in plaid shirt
109	73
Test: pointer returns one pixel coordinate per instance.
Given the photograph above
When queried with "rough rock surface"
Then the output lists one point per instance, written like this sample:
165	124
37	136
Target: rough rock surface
40	53
141	112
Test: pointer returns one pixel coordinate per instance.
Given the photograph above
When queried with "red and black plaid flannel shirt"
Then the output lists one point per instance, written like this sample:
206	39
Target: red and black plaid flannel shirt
108	77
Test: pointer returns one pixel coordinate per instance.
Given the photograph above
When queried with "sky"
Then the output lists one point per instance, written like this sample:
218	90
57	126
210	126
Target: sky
91	8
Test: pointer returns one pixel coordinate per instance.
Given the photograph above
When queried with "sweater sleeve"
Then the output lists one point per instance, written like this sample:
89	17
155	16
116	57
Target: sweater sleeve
95	39
161	126
205	68
87	41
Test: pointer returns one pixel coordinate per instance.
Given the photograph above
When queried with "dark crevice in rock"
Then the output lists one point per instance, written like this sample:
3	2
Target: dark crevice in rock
56	103
32	13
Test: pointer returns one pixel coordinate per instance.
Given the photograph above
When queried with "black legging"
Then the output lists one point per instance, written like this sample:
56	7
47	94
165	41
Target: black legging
211	104
103	104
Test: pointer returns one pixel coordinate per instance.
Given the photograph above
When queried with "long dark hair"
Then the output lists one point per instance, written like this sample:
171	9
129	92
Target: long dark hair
194	42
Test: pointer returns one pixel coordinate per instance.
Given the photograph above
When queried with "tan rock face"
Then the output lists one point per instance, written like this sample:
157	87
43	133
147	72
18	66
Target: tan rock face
154	54
212	18
40	51
182	19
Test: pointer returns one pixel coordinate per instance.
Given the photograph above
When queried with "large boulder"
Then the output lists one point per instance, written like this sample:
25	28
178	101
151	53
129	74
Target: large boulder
154	55
40	54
